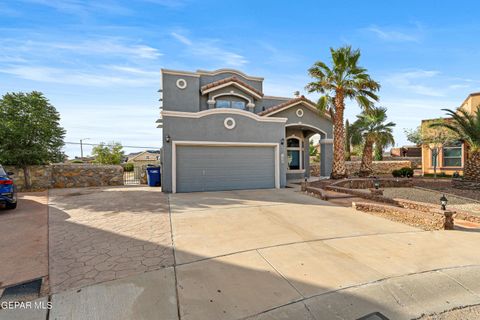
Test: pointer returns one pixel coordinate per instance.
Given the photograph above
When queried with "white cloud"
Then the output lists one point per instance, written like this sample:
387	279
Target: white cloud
413	82
387	34
136	71
83	7
65	62
105	46
211	49
108	46
182	38
78	77
278	56
459	86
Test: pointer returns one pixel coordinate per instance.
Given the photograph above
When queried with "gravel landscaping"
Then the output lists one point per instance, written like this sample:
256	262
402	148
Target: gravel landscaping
433	197
445	185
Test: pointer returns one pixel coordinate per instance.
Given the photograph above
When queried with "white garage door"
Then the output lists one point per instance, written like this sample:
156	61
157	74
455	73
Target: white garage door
217	168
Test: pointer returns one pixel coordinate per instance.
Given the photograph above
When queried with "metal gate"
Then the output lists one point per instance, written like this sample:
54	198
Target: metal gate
135	176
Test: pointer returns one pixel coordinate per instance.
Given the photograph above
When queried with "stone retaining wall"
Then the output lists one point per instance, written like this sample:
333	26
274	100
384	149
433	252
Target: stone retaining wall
40	177
68	176
315	169
432	220
379	167
361	194
415	161
429	207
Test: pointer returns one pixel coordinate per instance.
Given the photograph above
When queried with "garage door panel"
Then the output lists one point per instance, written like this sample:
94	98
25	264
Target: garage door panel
215	168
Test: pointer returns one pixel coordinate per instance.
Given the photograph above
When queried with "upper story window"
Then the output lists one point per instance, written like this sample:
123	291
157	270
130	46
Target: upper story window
230	104
238	105
452	155
222	104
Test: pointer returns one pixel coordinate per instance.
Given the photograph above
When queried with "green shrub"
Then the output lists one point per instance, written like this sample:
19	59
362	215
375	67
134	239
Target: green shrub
128	167
396	173
405	172
76	161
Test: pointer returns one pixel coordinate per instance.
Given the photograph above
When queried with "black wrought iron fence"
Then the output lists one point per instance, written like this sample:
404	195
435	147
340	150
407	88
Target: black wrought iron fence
134	176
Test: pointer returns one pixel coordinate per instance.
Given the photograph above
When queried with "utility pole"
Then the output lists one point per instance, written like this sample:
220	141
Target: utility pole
81	147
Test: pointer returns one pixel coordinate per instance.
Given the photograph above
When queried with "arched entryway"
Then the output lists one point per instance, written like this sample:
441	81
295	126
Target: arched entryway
298	157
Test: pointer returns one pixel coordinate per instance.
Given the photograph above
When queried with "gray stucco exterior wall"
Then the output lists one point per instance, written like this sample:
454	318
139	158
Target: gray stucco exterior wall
326	158
309	118
177	99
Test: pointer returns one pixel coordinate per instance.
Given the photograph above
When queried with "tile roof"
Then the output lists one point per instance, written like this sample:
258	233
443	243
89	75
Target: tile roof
286	104
227	80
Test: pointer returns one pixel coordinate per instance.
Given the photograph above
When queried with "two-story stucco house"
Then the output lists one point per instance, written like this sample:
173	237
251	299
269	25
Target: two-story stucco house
220	132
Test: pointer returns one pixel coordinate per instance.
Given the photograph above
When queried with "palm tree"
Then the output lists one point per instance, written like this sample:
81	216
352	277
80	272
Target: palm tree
343	80
467	127
380	145
348	140
369	129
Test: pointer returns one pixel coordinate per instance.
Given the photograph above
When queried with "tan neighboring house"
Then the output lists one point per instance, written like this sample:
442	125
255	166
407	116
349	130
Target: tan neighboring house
451	158
145	157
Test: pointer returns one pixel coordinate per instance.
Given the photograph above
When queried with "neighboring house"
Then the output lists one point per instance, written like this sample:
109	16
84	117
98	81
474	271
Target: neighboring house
145	157
451	158
220	132
81	160
406	151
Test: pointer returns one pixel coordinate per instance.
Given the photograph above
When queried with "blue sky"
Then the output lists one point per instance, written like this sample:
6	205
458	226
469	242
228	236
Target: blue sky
98	61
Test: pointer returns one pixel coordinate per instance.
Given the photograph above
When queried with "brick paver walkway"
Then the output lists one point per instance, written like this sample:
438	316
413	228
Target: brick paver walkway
102	234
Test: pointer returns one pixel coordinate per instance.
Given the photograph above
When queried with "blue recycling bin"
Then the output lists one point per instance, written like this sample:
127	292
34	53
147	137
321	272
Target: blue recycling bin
153	176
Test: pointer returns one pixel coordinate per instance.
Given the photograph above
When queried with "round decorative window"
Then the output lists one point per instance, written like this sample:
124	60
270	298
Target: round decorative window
181	83
299	113
229	123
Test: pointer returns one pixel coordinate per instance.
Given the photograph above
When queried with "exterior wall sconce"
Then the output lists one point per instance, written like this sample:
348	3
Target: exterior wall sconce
282	141
443	202
167	138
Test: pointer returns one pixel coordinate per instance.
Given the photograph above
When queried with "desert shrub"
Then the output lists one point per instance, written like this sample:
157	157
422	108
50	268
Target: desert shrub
405	172
128	167
396	173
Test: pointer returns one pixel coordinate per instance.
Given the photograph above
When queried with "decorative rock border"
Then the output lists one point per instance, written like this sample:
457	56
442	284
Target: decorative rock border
366	183
428	207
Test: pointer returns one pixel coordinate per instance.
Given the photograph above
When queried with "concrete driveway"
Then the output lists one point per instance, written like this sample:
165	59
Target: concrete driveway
261	254
23	240
244	253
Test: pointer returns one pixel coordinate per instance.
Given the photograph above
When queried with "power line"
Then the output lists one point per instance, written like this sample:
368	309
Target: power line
106	144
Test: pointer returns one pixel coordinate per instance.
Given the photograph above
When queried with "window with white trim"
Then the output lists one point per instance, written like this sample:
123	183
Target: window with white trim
230	104
452	155
294	154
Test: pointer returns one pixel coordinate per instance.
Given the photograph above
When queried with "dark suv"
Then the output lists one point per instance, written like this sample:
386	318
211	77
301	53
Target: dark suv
8	190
